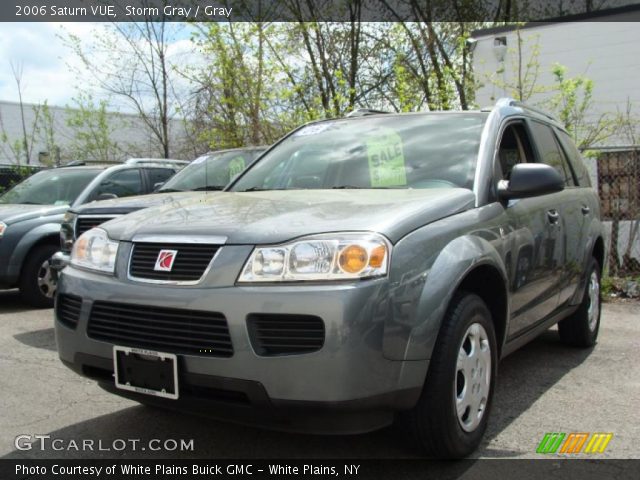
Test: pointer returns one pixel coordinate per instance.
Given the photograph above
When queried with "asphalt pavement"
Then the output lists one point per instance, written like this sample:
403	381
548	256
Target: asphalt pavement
543	387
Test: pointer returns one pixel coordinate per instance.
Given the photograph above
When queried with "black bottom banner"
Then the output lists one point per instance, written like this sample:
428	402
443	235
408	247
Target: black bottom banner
319	469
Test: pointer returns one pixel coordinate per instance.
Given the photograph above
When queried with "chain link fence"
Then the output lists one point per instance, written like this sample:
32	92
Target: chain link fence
12	174
619	191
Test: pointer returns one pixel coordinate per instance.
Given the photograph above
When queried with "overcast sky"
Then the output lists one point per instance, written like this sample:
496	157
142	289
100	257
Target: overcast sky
46	61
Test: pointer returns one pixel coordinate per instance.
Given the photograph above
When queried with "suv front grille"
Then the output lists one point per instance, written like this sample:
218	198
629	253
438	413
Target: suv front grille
168	330
68	309
84	224
275	334
190	263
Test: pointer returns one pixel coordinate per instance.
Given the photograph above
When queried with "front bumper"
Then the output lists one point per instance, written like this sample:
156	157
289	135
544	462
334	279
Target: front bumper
348	384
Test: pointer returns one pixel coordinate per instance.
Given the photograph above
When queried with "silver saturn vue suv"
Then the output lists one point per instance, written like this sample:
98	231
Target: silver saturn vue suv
363	270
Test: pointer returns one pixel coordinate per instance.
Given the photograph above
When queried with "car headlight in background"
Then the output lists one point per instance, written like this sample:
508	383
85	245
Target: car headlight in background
3	227
342	256
94	250
66	230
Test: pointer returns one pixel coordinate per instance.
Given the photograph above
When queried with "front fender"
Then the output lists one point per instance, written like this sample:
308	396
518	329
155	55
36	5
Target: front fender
419	307
27	242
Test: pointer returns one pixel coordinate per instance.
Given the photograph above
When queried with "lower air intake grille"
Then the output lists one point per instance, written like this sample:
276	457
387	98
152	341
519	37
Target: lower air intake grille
168	330
191	261
68	309
274	334
84	224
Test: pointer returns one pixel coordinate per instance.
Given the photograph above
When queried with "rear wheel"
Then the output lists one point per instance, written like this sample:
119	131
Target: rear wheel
451	416
37	285
581	328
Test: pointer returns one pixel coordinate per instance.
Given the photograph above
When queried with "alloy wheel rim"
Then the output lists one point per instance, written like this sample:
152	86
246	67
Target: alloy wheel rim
473	377
46	284
594	301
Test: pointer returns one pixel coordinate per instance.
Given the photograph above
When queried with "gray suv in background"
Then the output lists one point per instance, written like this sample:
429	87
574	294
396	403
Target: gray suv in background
363	270
209	173
31	213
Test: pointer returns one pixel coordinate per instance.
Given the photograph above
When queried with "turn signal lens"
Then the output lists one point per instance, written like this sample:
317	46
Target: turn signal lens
378	256
353	259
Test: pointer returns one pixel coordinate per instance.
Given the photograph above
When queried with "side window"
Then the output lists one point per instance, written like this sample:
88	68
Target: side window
122	184
158	175
514	148
575	159
550	152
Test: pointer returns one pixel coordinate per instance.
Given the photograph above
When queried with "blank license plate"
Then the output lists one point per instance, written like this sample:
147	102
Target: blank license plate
146	371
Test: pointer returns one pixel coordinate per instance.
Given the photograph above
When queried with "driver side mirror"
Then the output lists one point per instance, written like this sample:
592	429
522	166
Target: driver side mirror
157	185
530	180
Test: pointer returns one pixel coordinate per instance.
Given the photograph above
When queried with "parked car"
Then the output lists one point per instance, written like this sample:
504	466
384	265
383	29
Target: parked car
363	270
210	172
31	213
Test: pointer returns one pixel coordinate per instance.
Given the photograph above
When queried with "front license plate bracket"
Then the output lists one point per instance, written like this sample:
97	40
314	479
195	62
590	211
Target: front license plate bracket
146	371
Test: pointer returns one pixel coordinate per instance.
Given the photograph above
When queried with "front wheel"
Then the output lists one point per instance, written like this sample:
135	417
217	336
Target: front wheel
451	416
581	328
37	285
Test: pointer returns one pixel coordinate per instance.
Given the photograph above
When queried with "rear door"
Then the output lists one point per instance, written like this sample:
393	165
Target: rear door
585	200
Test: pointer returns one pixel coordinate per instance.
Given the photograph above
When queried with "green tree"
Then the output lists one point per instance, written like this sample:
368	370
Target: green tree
92	130
130	62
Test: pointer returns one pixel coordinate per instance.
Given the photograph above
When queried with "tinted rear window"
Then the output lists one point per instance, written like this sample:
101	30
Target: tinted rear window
582	174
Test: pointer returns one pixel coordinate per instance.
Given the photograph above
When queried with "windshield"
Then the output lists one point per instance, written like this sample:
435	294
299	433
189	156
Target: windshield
59	186
386	151
211	172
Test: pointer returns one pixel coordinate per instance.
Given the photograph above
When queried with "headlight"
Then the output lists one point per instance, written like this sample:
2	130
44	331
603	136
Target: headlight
320	257
69	218
3	227
67	230
94	250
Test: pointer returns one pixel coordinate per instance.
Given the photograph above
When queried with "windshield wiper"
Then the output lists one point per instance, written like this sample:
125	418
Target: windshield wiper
169	190
353	187
213	188
256	189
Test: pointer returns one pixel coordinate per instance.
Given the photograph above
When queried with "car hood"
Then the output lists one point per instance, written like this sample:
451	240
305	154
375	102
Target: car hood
277	216
13	213
126	205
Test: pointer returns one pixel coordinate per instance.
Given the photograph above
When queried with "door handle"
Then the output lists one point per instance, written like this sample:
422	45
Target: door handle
585	210
553	216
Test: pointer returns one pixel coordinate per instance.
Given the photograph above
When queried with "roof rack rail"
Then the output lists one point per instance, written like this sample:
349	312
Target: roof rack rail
362	112
90	163
510	102
140	161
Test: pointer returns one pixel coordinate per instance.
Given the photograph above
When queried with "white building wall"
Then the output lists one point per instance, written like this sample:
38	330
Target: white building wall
606	52
132	136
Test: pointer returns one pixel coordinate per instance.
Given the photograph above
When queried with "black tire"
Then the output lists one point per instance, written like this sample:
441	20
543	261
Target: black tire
433	423
581	329
30	290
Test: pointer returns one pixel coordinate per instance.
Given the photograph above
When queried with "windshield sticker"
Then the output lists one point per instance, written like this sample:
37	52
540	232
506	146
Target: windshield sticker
236	166
313	129
386	160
